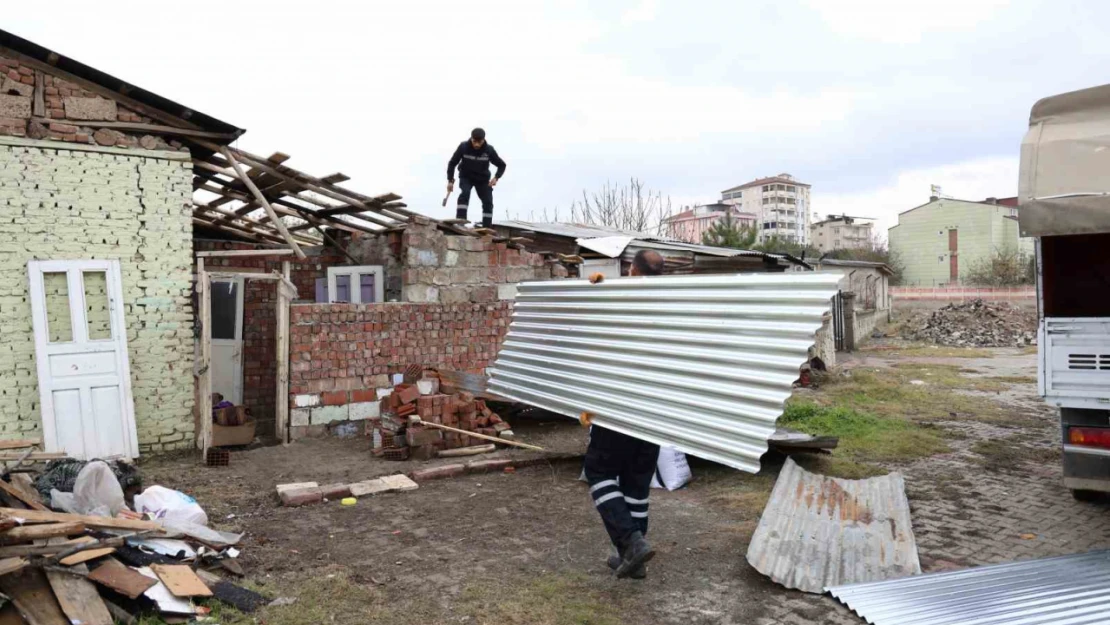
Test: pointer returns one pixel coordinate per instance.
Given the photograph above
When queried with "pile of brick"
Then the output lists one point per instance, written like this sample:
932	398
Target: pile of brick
395	439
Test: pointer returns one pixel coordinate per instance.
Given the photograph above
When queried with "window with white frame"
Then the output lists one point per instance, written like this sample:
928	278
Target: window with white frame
363	284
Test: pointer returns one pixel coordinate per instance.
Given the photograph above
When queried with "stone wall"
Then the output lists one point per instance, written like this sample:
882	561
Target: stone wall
69	202
66	112
864	322
341	354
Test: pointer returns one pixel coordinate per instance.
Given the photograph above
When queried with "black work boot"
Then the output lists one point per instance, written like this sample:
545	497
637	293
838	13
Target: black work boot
636	554
614	563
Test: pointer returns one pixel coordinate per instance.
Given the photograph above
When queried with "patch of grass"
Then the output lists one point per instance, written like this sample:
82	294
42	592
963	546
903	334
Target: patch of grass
838	466
924	350
948	377
865	436
328	597
550	599
1016	379
1007	453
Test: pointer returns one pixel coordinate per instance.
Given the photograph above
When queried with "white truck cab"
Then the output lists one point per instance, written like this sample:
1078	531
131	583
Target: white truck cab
1064	196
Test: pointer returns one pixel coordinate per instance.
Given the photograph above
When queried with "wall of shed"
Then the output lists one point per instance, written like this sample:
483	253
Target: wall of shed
58	203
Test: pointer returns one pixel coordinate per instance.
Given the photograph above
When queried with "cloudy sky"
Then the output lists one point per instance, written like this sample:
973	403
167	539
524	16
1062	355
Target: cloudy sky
870	101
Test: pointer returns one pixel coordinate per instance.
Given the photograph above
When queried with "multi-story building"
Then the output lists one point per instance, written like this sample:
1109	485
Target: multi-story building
840	232
691	224
780	203
938	242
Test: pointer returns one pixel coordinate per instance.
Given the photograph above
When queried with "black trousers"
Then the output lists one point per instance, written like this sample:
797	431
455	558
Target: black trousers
485	193
619	469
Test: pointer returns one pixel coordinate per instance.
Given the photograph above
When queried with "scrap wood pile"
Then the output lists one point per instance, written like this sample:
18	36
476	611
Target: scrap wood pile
445	416
102	561
975	324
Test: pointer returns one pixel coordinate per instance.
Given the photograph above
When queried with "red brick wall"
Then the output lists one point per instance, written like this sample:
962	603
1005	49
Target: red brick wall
355	346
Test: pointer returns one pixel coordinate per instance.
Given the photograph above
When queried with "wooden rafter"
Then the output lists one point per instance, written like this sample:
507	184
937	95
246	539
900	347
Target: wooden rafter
278	223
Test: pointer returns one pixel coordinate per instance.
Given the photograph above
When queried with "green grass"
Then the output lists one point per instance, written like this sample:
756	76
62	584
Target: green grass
548	599
924	350
865	436
1016	379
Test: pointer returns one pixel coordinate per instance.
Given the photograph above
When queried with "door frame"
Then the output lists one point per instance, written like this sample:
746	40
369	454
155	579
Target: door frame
75	285
240	285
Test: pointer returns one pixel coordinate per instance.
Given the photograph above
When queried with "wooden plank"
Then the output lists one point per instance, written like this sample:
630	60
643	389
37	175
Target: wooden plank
30	591
11	565
27	533
250	236
8	456
21	496
84	556
205	359
122	616
152	129
228	217
281	412
181	580
225	253
20	443
99	522
121	578
248	276
79	598
9	615
280	225
26	485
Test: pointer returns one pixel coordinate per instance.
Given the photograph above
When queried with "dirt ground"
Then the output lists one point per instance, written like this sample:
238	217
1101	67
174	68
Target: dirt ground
528	548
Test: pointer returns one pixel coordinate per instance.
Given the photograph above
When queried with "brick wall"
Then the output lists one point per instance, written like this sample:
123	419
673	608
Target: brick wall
341	354
68	112
58	203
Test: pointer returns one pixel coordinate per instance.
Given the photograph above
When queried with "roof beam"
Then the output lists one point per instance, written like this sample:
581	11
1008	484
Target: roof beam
278	223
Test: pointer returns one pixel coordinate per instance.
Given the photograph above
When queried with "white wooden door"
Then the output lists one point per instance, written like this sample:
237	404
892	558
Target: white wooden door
227	339
81	357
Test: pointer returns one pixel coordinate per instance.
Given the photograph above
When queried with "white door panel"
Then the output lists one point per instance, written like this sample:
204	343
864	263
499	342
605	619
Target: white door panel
227	338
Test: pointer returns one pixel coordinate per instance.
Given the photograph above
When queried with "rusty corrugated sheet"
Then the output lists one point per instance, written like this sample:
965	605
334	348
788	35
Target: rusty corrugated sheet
819	531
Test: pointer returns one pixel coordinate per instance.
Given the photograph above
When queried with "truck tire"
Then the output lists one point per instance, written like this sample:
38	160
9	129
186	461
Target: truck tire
1087	495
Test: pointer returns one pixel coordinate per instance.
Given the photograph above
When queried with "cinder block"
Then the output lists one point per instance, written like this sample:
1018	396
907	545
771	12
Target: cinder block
101	109
506	291
300	416
364	410
328	414
306	401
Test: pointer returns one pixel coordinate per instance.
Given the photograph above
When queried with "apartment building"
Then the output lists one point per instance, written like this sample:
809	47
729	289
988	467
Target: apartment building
840	232
691	224
780	203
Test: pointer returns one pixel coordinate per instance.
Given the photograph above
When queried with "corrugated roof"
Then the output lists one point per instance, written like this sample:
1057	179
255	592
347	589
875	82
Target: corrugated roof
1066	590
702	363
819	531
576	231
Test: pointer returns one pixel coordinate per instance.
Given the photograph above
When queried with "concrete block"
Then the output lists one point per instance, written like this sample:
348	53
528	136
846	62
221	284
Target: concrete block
421	294
417	257
327	414
506	291
101	109
385	392
306	401
364	410
451	258
442	277
383	485
454	295
15	87
300	416
15	106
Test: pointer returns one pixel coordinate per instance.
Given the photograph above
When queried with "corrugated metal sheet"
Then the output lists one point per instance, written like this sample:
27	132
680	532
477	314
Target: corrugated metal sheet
702	363
819	531
1067	590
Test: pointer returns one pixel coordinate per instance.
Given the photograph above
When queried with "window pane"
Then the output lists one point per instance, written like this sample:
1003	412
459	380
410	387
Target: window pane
321	290
59	325
343	288
224	309
97	314
366	288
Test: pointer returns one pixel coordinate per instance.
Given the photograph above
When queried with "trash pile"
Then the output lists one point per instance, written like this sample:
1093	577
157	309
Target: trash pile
83	542
445	415
975	324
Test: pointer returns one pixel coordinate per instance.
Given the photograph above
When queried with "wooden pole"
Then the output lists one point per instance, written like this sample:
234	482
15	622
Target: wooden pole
205	359
218	253
278	223
281	411
503	441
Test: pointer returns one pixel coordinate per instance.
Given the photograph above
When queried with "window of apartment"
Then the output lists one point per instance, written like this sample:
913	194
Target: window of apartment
768	187
791	188
364	284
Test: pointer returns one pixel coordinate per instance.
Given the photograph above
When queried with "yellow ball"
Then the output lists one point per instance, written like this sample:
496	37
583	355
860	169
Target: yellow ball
348	501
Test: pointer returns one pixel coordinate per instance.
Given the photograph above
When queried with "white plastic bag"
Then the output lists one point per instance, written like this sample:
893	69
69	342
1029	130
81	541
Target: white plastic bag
166	504
672	471
96	492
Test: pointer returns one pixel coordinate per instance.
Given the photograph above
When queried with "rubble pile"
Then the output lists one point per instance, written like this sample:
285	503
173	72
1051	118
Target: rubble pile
975	324
394	437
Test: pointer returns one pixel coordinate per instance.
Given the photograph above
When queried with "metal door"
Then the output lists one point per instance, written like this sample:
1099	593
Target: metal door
81	358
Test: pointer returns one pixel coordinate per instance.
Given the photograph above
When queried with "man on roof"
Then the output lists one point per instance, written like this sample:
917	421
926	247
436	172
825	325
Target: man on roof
473	158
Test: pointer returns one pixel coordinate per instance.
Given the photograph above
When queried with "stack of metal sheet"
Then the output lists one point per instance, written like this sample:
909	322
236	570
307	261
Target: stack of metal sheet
1067	590
701	363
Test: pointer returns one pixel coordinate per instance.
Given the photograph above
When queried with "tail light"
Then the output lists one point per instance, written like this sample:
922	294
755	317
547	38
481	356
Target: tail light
1089	437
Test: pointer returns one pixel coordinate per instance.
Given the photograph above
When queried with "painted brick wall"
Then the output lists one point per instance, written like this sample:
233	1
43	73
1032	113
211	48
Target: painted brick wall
353	348
58	204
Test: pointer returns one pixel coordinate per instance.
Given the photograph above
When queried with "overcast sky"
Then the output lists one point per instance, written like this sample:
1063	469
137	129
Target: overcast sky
868	101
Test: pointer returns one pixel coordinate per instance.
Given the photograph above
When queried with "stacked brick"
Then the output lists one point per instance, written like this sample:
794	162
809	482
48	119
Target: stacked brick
60	204
39	105
395	438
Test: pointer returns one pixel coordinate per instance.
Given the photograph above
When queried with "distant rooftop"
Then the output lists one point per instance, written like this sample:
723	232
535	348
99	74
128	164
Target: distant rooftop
783	178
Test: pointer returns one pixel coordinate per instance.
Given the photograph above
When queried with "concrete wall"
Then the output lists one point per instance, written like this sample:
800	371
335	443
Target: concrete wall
65	201
921	238
864	322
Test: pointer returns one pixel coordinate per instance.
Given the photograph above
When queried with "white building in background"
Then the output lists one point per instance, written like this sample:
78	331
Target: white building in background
781	204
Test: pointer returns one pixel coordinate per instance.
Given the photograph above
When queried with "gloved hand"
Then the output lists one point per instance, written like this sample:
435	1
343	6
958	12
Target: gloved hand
597	278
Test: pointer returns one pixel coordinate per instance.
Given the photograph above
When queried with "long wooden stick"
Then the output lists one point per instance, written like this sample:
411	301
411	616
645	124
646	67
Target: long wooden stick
28	533
466	451
481	436
99	522
278	223
18	494
244	253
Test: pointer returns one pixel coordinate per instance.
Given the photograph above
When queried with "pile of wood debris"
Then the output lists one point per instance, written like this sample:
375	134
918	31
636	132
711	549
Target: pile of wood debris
975	324
61	569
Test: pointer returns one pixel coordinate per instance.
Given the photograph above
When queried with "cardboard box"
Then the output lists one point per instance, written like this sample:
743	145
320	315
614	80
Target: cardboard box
231	435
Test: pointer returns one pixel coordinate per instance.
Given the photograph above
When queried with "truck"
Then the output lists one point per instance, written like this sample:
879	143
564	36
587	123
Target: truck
1064	202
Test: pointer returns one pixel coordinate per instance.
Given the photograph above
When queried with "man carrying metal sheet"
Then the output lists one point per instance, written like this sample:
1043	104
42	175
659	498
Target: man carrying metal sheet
619	468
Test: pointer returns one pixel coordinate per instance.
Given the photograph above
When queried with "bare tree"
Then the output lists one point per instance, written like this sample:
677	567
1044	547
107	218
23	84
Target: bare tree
631	207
